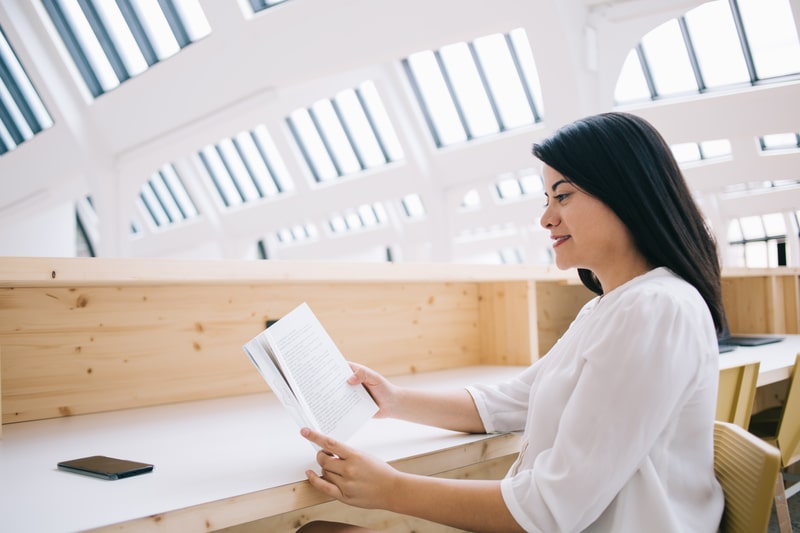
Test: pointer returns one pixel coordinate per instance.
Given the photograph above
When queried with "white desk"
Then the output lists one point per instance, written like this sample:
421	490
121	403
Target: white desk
217	462
777	359
229	461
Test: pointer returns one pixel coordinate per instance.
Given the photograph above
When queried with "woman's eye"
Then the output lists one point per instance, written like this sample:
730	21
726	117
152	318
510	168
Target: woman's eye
561	197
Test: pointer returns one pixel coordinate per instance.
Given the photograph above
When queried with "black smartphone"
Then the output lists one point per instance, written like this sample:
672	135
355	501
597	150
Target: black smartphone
105	467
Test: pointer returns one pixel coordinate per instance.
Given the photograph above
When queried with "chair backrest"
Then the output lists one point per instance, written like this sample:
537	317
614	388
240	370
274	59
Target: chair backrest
737	389
789	425
747	468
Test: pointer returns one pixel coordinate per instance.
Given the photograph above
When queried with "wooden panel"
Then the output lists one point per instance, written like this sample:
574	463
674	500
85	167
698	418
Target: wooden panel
761	304
557	305
94	348
507	323
376	519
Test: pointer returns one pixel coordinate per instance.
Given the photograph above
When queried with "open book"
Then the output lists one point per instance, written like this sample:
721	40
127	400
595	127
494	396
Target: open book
307	372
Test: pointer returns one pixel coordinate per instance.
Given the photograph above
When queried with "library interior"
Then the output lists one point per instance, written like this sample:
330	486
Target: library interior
178	175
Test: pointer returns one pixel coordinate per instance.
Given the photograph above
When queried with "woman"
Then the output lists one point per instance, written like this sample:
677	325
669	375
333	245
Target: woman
618	416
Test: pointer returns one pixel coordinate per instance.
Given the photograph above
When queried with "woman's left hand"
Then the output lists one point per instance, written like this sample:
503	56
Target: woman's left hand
349	475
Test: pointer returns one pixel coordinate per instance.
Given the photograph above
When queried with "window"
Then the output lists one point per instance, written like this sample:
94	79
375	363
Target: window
260	5
245	168
471	90
110	42
22	113
346	134
165	199
721	43
758	241
780	141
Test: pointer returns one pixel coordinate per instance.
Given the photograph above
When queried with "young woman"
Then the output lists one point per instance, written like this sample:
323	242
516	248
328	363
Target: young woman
618	416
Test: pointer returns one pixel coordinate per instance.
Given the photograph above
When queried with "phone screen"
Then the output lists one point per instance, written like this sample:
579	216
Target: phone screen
105	467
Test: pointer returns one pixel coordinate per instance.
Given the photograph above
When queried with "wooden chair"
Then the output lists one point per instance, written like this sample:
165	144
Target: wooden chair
747	468
780	426
737	389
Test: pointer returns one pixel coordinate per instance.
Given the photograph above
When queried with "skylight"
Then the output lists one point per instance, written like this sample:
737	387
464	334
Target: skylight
346	134
721	43
110	42
471	90
22	113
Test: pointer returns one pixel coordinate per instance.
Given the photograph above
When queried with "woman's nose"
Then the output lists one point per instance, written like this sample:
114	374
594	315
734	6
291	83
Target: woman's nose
548	219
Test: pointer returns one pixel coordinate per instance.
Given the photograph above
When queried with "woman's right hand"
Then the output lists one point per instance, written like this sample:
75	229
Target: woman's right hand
382	391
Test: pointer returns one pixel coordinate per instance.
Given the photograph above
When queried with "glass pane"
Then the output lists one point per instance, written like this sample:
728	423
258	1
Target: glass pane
469	90
508	188
771	32
631	84
157	28
531	183
413	206
752	227
90	45
471	199
735	256
775	225
669	60
779	140
716	148
501	74
377	111
755	255
238	172
123	38
175	185
438	103
527	62
337	142
309	138
686	152
716	43
359	128
194	18
258	171
734	231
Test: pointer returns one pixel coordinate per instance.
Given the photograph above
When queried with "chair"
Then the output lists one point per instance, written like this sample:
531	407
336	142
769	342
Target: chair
737	389
747	468
780	426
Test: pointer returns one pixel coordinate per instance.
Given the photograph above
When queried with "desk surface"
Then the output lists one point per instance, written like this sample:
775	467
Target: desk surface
215	458
777	359
206	455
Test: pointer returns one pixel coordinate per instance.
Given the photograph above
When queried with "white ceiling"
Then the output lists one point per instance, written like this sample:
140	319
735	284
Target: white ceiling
251	71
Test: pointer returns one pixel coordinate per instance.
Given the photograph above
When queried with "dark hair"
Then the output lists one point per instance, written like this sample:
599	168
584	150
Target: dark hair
623	161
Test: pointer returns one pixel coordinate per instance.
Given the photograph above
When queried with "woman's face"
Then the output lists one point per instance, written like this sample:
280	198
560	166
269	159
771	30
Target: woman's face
586	233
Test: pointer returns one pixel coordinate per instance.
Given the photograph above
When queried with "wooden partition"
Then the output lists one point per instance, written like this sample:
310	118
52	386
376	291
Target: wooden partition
89	335
762	300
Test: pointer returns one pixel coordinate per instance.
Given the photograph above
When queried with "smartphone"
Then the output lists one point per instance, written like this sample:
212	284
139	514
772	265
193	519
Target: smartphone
105	467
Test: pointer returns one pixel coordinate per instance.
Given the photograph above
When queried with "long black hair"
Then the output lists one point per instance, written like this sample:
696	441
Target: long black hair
623	161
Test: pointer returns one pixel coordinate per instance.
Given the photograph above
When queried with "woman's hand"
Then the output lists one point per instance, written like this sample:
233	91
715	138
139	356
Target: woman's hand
382	391
349	475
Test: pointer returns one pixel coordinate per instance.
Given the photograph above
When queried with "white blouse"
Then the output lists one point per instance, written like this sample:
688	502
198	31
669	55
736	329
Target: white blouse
618	417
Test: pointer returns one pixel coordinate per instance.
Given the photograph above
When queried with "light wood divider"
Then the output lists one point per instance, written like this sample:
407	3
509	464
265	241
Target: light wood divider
89	335
762	300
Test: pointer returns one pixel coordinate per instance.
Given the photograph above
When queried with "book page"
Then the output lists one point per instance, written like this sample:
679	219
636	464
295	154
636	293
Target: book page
264	360
316	372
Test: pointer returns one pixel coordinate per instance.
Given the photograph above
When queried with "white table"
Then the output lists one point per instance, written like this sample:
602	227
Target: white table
217	462
777	359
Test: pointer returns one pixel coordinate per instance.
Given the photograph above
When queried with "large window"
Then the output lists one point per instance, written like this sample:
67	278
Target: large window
721	43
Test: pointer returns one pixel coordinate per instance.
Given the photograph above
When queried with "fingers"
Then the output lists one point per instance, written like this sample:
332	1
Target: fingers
359	374
323	485
326	444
